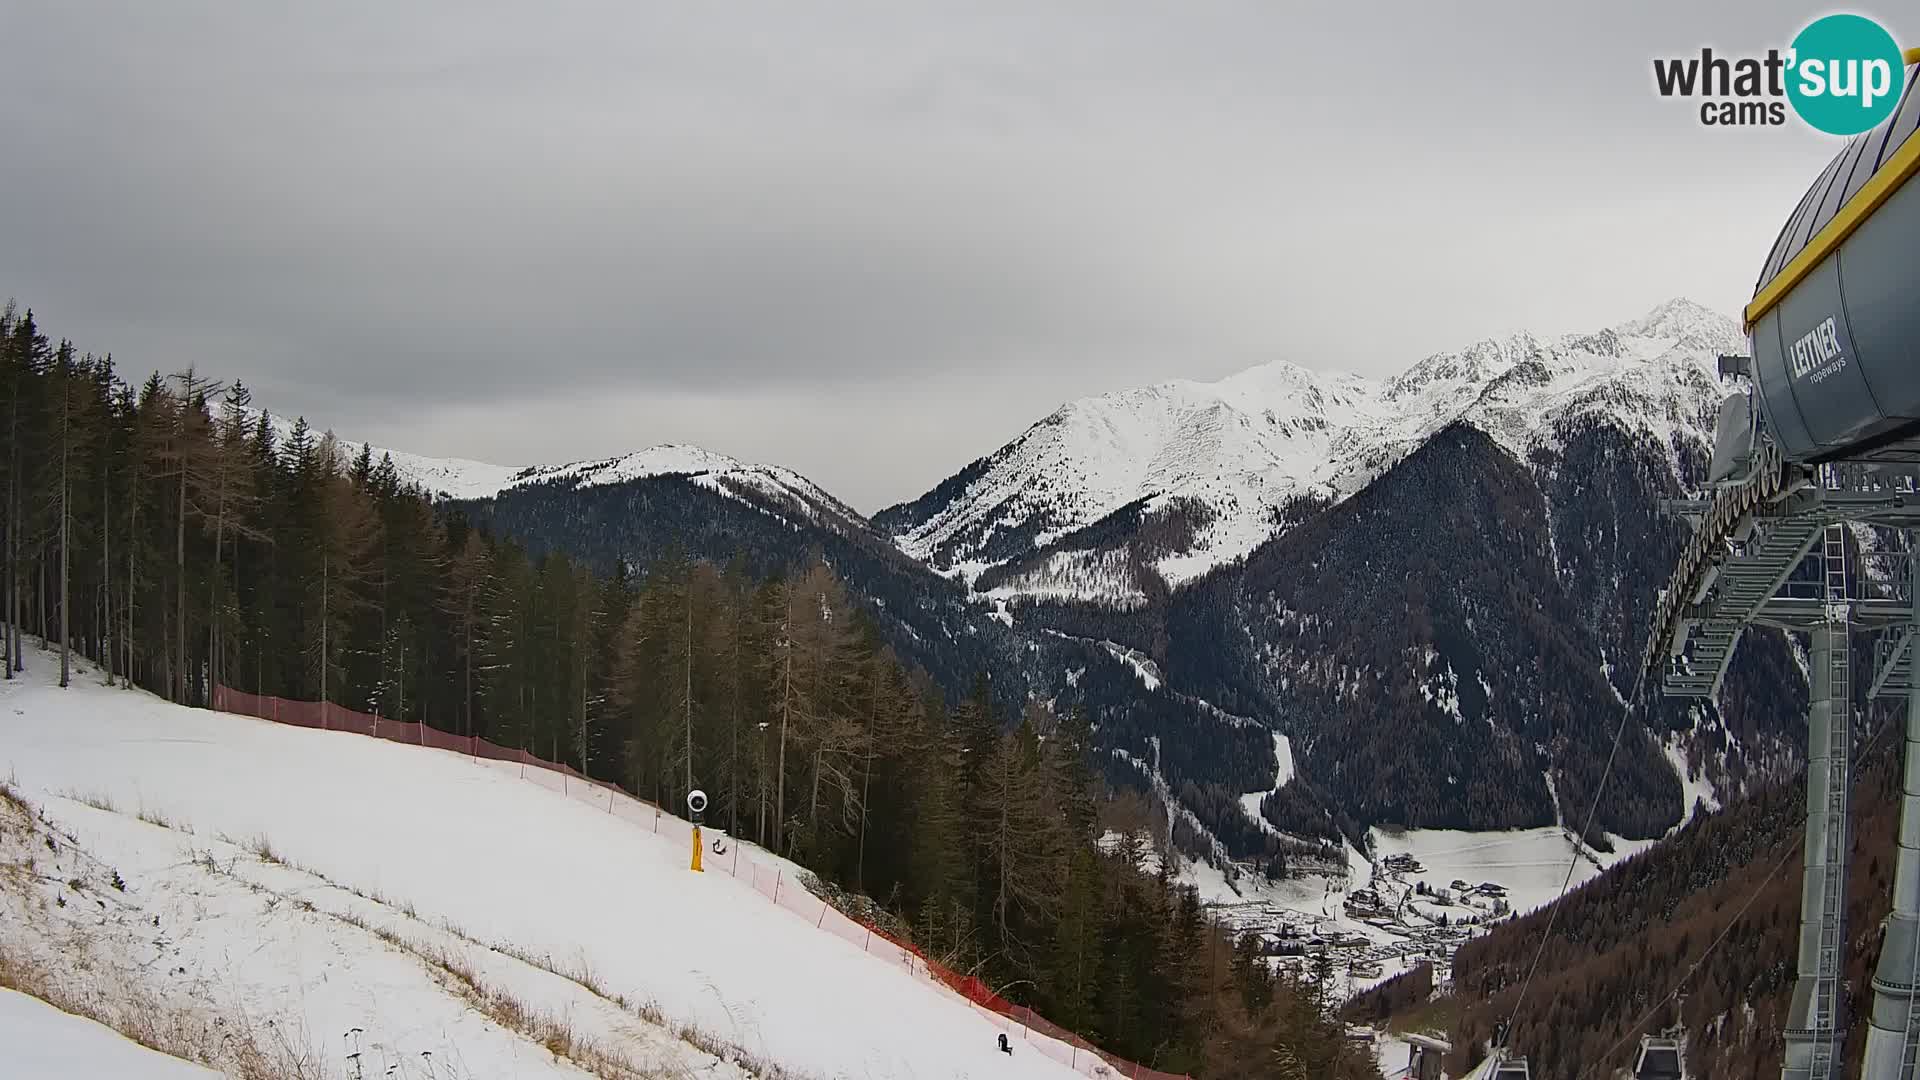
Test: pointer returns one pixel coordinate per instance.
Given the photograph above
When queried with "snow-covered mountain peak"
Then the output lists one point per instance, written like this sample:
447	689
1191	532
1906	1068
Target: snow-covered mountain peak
1687	324
460	478
1232	455
719	472
1474	365
664	459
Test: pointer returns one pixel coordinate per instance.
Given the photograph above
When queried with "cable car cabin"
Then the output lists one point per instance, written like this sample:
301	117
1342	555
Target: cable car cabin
1659	1059
1835	318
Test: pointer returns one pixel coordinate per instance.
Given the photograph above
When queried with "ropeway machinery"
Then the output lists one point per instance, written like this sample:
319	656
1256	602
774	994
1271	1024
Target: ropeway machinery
1822	439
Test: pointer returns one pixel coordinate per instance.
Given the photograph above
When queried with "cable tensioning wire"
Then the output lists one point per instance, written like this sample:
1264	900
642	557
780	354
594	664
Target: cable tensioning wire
1793	849
1553	914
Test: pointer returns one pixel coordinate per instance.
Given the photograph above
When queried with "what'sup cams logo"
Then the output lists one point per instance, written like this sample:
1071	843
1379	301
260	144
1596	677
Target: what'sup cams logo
1842	75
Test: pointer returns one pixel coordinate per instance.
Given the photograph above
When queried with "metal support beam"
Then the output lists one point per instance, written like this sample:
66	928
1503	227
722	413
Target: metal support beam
1815	1028
1893	1033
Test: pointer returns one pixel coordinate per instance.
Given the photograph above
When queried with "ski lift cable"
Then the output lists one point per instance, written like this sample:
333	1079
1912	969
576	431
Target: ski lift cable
1573	861
1793	850
1680	984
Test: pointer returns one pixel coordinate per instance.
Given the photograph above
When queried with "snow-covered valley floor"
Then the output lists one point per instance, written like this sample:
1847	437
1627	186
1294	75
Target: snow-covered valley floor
300	896
1528	865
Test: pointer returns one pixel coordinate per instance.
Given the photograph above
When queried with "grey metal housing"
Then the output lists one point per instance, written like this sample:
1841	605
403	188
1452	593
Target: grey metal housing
1849	388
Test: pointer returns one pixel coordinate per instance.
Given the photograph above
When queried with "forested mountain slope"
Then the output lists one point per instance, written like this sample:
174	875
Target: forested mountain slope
1440	646
1723	893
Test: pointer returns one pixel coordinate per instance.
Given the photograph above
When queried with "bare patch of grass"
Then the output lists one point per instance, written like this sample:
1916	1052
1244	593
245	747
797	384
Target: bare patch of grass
159	818
262	849
581	974
557	1035
95	799
10	795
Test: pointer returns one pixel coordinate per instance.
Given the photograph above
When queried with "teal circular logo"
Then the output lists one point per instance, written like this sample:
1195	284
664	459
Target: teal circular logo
1845	74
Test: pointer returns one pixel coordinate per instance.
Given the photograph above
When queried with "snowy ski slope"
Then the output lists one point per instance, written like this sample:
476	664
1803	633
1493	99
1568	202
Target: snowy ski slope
42	1041
473	846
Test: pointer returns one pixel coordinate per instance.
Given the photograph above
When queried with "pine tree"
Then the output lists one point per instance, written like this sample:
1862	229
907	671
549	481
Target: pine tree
230	502
27	356
469	582
74	430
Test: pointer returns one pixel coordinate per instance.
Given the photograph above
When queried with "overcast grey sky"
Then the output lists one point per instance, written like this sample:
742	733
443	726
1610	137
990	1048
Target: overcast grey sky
869	241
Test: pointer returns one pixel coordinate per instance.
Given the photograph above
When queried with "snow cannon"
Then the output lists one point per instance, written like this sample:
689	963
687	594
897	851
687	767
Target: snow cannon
1835	317
697	807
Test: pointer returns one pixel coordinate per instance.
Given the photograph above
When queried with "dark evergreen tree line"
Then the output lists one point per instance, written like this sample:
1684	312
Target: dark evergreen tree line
170	534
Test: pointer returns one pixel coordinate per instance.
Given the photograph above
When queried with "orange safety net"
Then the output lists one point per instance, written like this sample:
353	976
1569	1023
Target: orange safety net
1017	1021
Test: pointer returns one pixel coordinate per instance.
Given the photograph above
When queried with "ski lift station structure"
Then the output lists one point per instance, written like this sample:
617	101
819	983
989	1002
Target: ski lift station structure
1824	437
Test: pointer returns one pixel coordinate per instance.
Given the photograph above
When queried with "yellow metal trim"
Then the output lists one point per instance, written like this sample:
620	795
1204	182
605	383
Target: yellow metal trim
1897	171
1912	57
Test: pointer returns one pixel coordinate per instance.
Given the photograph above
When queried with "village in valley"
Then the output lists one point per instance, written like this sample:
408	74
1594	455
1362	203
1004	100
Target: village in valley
1362	934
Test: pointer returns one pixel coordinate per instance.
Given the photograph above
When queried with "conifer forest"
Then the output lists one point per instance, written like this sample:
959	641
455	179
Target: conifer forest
177	537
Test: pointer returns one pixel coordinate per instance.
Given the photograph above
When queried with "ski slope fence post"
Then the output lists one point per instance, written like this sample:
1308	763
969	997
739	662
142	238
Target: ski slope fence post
1056	1042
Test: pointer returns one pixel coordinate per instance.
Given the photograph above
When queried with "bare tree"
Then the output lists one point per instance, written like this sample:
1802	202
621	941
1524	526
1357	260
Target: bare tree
346	538
1024	840
186	455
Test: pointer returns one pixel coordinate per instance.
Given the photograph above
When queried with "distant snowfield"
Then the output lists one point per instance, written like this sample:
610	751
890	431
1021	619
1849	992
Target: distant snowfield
447	842
1695	790
1531	864
38	1040
1283	772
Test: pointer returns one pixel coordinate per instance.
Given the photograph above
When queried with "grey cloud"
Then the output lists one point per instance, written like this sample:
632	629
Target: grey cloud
472	225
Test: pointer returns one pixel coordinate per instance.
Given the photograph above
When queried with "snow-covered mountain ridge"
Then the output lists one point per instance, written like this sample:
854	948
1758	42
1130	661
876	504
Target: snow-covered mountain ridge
1207	470
1231	455
463	479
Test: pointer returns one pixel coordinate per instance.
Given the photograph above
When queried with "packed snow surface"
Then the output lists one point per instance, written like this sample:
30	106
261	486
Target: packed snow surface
175	933
456	843
38	1040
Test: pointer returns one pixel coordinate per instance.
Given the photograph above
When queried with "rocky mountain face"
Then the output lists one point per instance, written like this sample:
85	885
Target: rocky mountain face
1170	481
1435	584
